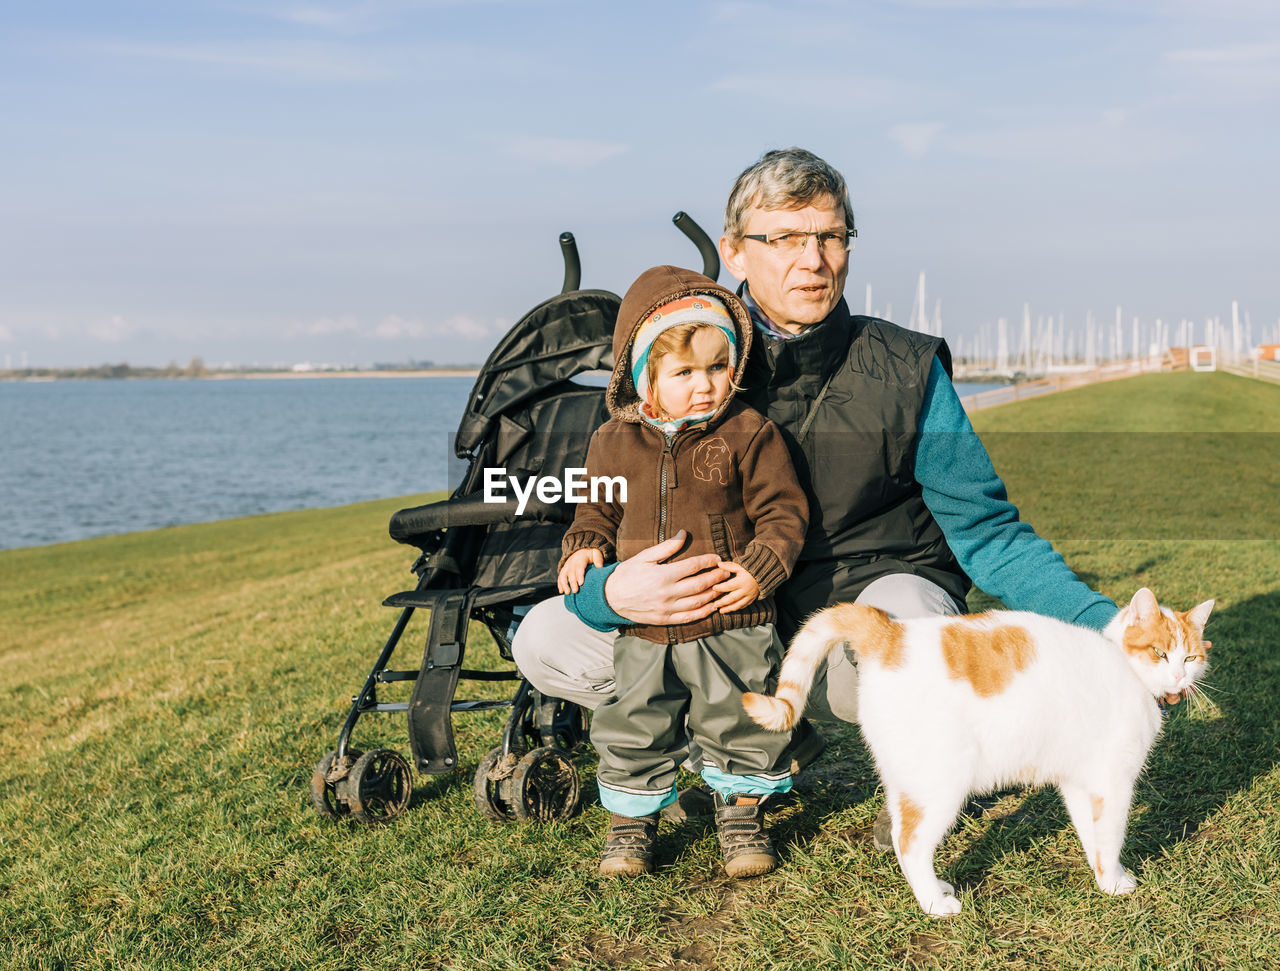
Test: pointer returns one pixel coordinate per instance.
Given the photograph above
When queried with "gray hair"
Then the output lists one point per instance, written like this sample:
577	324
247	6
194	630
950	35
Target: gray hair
784	178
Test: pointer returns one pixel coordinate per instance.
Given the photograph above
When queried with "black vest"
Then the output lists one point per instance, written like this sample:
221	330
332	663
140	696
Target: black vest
856	461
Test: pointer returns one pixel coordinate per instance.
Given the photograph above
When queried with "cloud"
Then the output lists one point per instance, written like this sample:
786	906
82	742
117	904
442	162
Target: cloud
1108	141
1251	70
566	152
1150	7
302	60
324	327
331	18
916	139
113	330
360	16
395	327
468	328
1231	54
812	88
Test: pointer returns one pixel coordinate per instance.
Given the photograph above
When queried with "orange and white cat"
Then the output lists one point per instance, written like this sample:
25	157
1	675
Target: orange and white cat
952	706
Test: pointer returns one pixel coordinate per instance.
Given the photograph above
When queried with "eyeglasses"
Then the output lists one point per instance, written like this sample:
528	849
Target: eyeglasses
793	241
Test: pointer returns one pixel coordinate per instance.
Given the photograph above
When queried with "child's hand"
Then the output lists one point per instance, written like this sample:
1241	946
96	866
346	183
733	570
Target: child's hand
575	568
738	591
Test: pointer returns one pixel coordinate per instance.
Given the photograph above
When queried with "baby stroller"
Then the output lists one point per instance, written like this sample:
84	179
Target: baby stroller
491	561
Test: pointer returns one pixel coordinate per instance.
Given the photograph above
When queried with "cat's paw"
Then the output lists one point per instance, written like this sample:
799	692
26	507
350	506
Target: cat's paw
946	889
1118	882
946	905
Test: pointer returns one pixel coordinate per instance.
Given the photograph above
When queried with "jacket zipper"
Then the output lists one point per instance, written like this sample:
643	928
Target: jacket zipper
668	452
662	490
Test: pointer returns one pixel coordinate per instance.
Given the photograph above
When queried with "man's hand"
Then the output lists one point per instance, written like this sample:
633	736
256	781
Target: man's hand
738	591
575	568
645	590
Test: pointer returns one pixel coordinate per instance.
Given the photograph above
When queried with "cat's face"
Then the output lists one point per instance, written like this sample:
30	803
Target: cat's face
1165	647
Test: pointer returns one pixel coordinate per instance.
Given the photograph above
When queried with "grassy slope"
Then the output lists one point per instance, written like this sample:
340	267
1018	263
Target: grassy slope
165	695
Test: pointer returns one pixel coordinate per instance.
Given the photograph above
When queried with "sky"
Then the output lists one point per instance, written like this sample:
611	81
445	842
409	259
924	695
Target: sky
267	183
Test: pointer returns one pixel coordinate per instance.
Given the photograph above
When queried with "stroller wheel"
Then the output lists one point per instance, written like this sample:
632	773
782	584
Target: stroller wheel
493	786
326	798
545	787
379	786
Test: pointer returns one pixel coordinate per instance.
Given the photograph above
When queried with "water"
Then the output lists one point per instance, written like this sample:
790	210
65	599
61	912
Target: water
95	458
92	458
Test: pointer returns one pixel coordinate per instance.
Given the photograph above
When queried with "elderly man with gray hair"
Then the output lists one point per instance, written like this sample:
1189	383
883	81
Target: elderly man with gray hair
905	506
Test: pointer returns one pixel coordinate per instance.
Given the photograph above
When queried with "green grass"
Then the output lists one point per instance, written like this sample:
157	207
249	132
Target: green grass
166	694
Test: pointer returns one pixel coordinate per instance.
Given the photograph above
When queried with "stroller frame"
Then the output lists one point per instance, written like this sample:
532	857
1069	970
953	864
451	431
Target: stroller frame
530	776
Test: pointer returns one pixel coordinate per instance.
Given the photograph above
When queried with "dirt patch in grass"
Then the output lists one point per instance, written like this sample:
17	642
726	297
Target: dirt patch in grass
923	950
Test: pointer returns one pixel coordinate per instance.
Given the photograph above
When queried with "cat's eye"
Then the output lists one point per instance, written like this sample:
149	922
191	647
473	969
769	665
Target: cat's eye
1160	654
1195	659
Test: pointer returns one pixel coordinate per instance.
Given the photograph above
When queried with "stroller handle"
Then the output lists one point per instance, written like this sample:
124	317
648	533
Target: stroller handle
710	258
572	265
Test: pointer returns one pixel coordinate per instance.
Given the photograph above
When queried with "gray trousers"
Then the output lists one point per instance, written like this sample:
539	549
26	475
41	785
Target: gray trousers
565	658
640	731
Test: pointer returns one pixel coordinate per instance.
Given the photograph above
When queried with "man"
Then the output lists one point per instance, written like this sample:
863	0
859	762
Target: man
904	503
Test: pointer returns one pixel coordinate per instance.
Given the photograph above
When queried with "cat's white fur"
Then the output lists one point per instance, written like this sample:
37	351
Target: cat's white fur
1011	698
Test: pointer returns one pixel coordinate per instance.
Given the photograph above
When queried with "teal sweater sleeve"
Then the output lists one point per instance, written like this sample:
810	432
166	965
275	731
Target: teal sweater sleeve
589	605
1002	554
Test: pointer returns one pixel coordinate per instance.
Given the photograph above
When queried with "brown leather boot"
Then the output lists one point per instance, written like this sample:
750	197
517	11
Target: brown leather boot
746	847
628	848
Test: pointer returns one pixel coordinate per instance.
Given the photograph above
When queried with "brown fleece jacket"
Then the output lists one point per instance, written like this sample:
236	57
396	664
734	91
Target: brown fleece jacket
727	481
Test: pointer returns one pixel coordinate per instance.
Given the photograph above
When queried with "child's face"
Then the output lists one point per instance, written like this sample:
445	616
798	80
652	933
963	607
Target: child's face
695	380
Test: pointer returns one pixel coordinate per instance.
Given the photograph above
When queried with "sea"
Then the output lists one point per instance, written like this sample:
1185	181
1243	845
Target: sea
89	458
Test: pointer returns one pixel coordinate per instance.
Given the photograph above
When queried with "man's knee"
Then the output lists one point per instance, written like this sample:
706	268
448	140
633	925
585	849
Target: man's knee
904	595
530	640
563	657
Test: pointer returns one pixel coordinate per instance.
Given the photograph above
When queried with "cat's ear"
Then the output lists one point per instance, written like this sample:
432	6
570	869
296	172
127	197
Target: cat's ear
1143	607
1200	615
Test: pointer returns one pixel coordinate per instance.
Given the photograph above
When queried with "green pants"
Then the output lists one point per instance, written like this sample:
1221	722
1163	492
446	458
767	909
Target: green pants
641	734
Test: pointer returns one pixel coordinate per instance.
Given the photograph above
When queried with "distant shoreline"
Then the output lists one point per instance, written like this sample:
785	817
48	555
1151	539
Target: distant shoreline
434	373
240	375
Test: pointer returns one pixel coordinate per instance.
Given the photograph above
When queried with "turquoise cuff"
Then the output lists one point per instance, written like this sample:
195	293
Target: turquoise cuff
635	804
589	605
751	785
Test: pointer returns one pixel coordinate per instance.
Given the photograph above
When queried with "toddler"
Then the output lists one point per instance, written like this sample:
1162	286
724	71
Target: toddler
695	461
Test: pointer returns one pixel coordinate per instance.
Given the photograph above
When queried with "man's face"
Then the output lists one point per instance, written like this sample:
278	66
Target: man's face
793	289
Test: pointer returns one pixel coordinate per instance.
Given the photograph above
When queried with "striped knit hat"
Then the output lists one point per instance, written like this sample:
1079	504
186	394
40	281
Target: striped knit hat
699	308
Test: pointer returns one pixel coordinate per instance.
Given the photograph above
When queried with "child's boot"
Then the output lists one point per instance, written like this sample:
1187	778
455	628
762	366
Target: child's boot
747	849
628	849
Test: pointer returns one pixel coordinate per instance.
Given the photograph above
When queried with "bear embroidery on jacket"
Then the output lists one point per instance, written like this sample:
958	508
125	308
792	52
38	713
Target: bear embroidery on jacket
712	461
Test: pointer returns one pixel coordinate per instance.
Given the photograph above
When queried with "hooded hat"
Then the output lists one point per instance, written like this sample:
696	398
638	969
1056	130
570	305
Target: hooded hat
664	297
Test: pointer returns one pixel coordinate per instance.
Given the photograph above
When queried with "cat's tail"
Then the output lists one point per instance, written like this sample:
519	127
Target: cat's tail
822	633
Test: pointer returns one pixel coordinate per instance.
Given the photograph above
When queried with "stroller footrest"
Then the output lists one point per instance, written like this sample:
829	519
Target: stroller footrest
386	677
532	592
385	706
484	705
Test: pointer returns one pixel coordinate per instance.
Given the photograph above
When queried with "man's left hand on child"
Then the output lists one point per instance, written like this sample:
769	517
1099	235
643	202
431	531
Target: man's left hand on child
738	591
